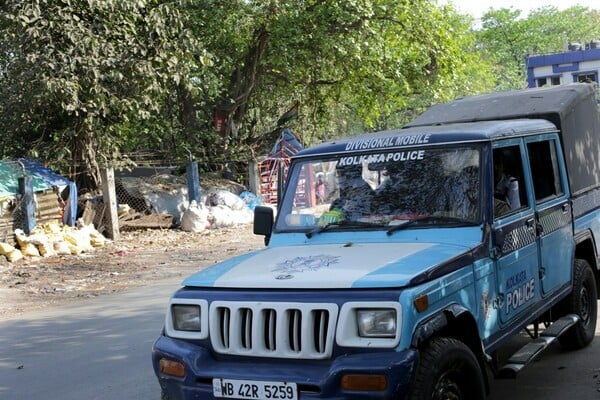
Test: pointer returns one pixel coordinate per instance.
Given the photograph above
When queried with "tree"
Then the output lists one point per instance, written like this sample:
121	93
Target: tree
79	72
86	81
350	65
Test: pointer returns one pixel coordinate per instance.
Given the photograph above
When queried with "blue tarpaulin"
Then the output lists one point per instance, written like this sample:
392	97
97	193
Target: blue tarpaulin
42	178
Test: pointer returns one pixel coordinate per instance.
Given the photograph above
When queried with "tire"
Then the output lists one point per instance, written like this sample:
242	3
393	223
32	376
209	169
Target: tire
582	302
448	370
164	395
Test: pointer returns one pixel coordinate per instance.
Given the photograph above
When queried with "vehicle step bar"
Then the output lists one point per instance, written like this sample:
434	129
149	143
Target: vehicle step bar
526	354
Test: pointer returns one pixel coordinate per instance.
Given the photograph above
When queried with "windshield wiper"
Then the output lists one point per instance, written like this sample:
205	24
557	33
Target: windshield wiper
338	224
431	219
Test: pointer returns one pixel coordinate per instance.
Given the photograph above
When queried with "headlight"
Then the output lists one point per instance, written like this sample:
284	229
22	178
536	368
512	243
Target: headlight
186	317
375	324
379	323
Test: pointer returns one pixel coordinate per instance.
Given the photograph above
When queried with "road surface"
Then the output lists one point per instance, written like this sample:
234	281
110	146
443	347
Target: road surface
99	349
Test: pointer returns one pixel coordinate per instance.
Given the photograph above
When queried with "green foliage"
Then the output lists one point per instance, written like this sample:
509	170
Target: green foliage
506	37
351	65
87	82
80	72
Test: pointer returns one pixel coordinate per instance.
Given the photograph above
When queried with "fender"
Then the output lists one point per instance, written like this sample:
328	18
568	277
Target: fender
437	323
585	247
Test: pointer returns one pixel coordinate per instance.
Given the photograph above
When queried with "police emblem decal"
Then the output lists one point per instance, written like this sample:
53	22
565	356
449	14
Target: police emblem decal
297	265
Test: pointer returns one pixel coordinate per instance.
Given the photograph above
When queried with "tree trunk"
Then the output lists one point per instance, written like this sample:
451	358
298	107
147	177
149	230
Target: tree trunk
242	84
87	170
187	114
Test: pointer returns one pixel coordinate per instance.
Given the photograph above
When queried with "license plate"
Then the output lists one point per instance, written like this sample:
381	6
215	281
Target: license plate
260	390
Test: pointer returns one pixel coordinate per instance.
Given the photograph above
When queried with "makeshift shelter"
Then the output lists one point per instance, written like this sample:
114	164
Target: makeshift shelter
54	196
273	168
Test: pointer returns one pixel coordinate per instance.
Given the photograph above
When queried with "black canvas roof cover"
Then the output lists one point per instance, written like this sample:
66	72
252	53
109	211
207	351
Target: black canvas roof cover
572	108
528	103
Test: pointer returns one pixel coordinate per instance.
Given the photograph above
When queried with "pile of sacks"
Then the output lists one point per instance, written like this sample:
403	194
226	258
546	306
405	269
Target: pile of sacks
222	209
52	239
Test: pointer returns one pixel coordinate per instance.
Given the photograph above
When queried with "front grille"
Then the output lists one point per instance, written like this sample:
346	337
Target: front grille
283	330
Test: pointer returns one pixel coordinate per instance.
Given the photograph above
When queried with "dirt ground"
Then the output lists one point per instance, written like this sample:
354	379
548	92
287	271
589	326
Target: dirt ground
138	258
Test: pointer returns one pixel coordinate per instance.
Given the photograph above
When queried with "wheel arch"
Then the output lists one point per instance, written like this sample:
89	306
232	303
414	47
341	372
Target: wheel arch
457	322
585	249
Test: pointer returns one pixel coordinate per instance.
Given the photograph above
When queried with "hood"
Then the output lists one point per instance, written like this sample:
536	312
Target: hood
327	266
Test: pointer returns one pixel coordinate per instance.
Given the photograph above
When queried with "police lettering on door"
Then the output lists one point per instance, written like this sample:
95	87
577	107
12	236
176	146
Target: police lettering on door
519	290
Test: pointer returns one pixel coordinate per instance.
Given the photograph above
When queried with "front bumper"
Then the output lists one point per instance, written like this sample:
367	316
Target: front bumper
315	379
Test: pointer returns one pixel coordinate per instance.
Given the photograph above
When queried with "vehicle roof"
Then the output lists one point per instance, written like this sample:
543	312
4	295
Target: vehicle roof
430	135
554	103
572	108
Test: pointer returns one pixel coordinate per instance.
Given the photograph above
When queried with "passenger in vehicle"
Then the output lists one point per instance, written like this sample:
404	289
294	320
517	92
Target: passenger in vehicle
410	189
507	185
356	195
464	193
392	196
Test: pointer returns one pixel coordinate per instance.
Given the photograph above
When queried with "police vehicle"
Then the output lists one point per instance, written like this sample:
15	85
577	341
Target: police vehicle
413	266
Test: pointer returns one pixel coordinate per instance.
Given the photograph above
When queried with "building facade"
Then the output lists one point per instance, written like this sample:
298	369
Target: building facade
580	63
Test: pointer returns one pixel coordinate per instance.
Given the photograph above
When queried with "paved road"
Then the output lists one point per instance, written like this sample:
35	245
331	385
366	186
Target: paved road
557	375
93	350
100	350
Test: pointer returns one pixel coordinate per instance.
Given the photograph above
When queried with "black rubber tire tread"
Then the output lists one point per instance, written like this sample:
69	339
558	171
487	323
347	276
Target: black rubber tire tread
584	291
441	357
164	395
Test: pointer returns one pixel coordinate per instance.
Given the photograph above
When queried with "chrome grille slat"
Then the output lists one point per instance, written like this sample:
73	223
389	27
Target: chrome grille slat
270	329
295	330
321	333
246	330
284	330
224	317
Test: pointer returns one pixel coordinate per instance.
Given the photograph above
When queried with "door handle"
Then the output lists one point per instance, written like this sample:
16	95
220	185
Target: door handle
530	223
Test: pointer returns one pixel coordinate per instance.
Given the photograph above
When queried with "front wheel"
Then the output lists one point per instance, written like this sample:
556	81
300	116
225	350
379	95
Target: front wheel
583	302
448	370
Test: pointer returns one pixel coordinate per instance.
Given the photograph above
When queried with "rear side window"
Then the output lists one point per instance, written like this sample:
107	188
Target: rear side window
509	187
544	170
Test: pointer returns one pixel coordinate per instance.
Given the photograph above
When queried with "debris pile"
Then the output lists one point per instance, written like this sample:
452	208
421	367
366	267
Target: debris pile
162	201
50	239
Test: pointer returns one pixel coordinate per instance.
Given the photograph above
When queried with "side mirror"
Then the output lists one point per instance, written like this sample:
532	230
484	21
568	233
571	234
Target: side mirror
263	222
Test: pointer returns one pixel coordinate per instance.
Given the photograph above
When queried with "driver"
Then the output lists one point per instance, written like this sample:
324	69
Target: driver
355	195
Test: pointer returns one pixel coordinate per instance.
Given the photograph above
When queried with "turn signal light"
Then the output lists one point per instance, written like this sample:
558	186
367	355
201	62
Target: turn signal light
364	382
421	303
170	367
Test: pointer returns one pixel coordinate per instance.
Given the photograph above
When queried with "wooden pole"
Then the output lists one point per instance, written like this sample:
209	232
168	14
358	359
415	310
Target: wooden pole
26	191
254	178
110	203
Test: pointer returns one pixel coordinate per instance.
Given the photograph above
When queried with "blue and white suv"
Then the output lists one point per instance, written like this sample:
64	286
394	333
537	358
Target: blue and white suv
400	262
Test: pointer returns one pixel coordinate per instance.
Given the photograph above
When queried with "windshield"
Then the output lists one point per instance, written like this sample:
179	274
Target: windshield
383	190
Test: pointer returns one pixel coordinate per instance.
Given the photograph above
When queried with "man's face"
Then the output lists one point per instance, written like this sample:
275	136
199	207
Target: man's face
349	178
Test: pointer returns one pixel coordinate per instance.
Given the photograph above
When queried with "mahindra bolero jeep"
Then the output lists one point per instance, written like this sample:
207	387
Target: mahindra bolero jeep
398	263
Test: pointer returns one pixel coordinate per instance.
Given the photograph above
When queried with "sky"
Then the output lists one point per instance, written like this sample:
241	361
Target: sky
478	7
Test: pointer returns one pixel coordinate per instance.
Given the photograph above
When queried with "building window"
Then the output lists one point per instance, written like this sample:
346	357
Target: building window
586	78
555	80
541	82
